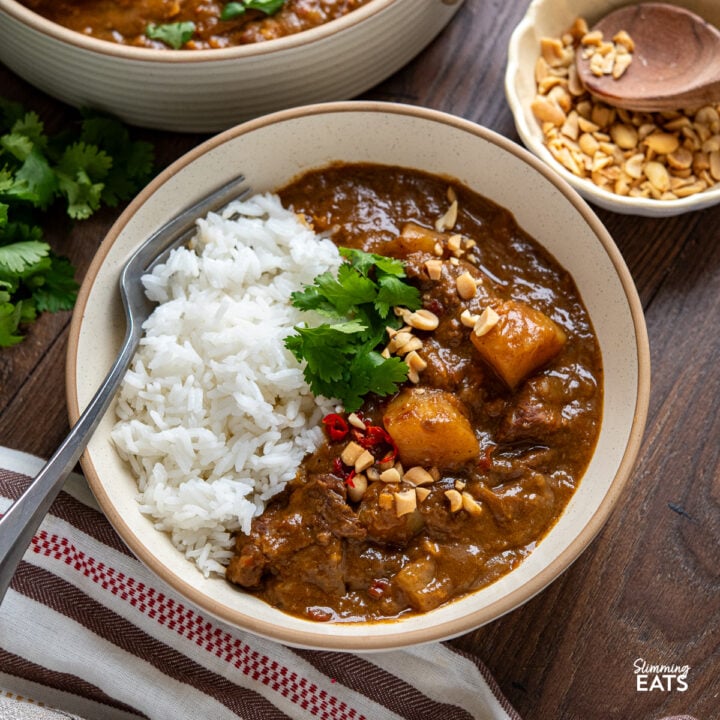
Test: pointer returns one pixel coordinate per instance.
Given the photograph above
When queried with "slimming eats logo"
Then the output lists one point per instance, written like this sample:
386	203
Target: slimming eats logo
660	677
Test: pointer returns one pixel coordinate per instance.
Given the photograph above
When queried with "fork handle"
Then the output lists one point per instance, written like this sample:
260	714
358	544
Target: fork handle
19	523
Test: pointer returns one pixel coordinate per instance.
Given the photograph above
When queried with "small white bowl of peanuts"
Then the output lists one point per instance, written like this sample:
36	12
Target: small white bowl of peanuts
651	164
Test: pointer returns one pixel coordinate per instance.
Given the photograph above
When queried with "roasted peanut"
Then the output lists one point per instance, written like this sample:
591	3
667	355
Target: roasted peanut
662	156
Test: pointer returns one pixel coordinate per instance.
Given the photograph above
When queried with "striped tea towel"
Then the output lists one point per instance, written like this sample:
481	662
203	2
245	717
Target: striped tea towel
87	631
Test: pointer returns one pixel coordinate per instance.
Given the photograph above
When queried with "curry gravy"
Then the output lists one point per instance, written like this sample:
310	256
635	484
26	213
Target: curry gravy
504	452
126	21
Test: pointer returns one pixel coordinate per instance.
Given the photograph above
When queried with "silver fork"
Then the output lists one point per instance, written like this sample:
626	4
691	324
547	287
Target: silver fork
19	523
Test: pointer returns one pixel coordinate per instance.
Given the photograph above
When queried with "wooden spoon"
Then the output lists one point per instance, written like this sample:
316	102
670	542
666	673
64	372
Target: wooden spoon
675	63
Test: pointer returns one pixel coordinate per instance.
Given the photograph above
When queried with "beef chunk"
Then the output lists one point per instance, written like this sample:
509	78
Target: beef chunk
382	524
532	415
312	515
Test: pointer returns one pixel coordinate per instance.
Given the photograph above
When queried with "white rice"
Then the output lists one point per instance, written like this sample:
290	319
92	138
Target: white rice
214	413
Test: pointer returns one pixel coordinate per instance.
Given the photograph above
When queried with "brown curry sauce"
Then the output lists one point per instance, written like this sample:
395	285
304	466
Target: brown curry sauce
126	21
318	554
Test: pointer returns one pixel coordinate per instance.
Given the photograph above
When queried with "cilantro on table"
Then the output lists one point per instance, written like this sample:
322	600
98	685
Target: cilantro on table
174	35
342	355
79	170
232	10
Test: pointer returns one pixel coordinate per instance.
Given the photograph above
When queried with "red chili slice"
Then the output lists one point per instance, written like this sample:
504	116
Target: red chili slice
379	438
336	426
485	461
378	588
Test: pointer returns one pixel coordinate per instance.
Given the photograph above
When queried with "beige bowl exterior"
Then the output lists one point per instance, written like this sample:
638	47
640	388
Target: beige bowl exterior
550	18
211	90
401	135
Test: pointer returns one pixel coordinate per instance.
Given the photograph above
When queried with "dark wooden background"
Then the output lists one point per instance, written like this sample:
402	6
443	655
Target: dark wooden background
649	586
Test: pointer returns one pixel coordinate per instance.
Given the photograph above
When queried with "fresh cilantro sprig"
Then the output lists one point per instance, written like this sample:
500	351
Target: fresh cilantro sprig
93	164
232	10
174	35
342	358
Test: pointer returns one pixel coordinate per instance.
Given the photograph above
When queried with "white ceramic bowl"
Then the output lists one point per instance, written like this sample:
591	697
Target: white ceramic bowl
542	203
550	18
211	90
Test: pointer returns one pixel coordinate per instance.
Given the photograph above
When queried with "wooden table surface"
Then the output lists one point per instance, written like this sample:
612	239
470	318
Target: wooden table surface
648	587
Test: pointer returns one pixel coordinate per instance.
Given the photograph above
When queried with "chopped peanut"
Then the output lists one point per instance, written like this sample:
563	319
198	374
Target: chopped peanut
351	452
448	220
455	499
470	505
415	362
414	343
466	286
422	319
433	269
357	489
486	322
468	319
355	421
364	461
405	502
421	493
391	475
418	475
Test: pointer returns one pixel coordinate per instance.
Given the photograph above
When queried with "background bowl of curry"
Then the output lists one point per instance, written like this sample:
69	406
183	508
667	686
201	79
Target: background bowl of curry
213	89
542	204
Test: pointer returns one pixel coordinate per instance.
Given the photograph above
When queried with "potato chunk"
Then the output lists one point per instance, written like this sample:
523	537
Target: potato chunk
414	238
430	428
523	340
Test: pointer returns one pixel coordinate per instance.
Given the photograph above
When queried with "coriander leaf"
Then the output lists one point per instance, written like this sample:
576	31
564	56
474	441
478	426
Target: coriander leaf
27	310
59	289
35	181
381	375
80	172
132	160
269	7
348	290
31	127
175	35
18	257
19	146
310	298
232	10
363	262
394	292
14	232
83	158
10	113
319	347
9	321
140	161
6	180
83	196
342	358
86	164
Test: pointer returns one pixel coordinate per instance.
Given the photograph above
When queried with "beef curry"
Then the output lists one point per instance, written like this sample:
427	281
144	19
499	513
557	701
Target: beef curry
440	489
127	21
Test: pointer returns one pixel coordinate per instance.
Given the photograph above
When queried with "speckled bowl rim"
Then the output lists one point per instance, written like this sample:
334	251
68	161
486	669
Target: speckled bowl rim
463	623
126	52
531	138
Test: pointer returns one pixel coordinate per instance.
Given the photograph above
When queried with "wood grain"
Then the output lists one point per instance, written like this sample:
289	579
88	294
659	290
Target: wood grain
649	585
